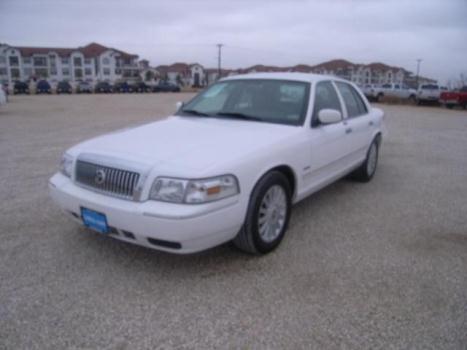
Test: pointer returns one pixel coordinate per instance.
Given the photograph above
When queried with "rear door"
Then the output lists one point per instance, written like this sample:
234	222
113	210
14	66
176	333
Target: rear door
359	122
328	149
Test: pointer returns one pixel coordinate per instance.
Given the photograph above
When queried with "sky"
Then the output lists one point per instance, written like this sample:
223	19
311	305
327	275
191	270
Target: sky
270	32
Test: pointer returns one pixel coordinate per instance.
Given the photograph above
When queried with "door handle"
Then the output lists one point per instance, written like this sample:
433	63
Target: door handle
348	130
370	123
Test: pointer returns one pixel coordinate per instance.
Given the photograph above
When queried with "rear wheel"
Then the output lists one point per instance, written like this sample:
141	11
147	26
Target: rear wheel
379	98
268	215
365	172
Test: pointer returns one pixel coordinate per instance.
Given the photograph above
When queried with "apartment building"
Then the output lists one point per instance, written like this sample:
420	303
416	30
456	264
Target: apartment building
184	74
93	62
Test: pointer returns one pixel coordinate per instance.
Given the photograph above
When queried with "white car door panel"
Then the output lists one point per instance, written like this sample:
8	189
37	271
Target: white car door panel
359	123
328	142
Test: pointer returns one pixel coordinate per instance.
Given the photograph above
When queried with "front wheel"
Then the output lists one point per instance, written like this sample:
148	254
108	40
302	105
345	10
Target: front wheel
365	172
268	215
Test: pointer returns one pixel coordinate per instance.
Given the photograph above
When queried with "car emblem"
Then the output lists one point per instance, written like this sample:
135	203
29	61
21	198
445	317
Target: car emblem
100	177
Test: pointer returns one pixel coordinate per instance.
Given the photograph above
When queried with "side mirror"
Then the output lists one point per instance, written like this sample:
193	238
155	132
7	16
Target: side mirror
329	116
179	105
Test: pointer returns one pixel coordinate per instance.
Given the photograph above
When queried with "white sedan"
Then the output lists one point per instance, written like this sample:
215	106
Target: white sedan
226	167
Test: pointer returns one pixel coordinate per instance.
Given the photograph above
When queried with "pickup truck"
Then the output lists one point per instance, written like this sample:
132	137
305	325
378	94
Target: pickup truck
454	98
428	93
394	90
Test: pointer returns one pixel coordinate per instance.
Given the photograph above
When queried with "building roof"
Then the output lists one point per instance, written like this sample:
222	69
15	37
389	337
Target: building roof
90	50
29	51
335	64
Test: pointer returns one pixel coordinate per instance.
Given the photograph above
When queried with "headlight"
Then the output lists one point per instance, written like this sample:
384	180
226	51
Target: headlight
66	165
194	191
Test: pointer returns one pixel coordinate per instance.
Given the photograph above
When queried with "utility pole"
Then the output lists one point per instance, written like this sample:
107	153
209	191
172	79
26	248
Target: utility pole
219	59
419	60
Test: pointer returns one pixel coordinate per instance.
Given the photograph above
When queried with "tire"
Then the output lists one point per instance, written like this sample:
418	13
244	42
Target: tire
255	237
379	97
366	171
413	99
449	106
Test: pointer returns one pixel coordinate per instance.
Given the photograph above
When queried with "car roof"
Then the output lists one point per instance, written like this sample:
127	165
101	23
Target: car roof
303	77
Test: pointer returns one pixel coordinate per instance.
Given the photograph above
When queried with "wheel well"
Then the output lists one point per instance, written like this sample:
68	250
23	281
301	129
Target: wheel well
378	138
289	174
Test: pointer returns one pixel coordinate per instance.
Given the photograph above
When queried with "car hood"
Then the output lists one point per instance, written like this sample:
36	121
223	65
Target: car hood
187	142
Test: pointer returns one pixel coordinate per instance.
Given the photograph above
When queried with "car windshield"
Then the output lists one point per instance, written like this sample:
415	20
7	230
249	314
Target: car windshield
273	101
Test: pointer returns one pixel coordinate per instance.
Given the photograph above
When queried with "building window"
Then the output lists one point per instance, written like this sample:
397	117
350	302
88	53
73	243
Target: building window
40	61
41	72
65	71
87	71
14	72
77	61
87	61
118	71
14	61
106	71
65	60
53	71
2	59
3	71
27	60
78	72
105	60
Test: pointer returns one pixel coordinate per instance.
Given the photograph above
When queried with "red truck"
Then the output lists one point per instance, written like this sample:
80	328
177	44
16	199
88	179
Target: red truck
454	98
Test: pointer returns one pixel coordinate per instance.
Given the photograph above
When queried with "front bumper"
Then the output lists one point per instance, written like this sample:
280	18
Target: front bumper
177	228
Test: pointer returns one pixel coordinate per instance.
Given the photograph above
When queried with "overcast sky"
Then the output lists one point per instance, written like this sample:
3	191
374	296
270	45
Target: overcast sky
274	32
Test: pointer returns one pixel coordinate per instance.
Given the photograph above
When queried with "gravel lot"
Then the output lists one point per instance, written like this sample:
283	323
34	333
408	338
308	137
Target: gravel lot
377	265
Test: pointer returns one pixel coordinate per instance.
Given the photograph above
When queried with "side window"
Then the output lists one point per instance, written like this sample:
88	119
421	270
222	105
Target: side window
397	86
325	98
353	101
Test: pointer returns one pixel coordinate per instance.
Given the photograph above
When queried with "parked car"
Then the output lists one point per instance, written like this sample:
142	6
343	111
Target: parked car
43	87
428	93
395	91
141	87
64	87
3	95
84	87
103	87
369	91
20	87
227	166
454	98
123	86
164	86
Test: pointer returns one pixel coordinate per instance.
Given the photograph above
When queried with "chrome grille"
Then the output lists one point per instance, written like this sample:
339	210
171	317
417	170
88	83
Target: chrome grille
112	181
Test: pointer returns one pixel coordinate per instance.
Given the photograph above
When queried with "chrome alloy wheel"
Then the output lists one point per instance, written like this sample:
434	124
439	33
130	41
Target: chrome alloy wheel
372	159
272	213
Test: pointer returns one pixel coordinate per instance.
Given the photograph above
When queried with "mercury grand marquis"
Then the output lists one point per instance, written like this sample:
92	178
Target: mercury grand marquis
227	166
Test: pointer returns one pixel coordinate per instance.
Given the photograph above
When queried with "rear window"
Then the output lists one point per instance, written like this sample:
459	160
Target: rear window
353	101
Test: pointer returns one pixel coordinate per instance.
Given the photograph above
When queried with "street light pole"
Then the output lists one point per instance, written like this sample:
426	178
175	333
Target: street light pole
219	58
419	61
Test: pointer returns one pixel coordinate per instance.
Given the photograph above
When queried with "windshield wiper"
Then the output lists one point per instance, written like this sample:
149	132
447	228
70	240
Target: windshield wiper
195	112
239	115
